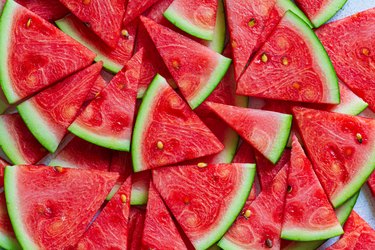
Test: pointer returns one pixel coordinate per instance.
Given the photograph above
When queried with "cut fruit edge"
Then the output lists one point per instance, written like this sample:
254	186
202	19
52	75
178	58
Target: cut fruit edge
328	13
218	41
286	5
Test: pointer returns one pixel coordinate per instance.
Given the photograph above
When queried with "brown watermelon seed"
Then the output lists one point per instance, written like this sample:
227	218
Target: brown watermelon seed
123	198
269	243
28	23
234	44
160	145
366	51
175	64
289	189
252	22
186	200
125	33
202	165
247	214
58	169
296	85
264	58
359	137
285	61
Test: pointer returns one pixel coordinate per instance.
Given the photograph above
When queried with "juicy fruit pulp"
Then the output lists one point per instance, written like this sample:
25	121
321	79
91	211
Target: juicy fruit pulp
167	131
292	65
35	53
47	9
205	200
55	219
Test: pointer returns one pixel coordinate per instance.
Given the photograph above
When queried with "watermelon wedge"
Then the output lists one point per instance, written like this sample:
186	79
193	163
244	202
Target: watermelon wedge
196	17
113	58
110	228
17	142
320	11
108	120
341	148
349	43
140	186
196	69
103	17
136	224
135	8
30	44
53	218
159	222
266	131
49	113
308	214
371	183
250	23
292	47
83	155
167	131
259	226
222	191
342	214
47	9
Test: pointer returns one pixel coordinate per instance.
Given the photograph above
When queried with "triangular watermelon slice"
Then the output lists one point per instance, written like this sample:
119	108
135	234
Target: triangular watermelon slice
113	58
320	11
17	142
308	213
159	222
136	224
205	211
355	237
292	65
135	8
167	131
30	60
349	43
341	148
266	131
196	69
196	17
83	155
251	22
47	9
49	113
110	228
60	203
108	120
259	226
103	17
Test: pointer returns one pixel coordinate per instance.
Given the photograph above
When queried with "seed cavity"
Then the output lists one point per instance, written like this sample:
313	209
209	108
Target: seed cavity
252	22
247	214
123	198
365	51
359	137
264	58
160	145
28	23
125	33
285	61
269	243
202	165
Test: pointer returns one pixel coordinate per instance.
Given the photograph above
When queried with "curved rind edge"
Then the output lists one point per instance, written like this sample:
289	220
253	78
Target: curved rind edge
218	41
289	5
328	13
300	234
138	197
8	147
8	242
282	138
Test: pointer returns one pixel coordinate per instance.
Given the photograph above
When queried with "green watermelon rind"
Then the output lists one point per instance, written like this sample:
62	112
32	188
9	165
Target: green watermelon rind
328	12
7	144
177	19
37	126
110	142
320	55
301	234
342	214
289	5
232	211
140	122
12	200
282	139
215	78
9	242
218	41
354	107
138	197
5	30
108	63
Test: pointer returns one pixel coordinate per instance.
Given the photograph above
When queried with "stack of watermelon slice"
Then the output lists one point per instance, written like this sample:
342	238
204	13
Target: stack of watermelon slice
124	124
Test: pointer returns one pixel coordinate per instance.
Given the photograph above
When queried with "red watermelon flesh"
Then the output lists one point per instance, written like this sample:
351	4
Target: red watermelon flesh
267	170
49	113
222	191
159	232
308	213
99	84
83	155
136	224
47	9
292	47
38	54
259	226
17	142
164	119
349	43
61	203
121	162
113	58
196	69
266	131
110	228
367	238
135	8
371	183
341	148
108	120
103	17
